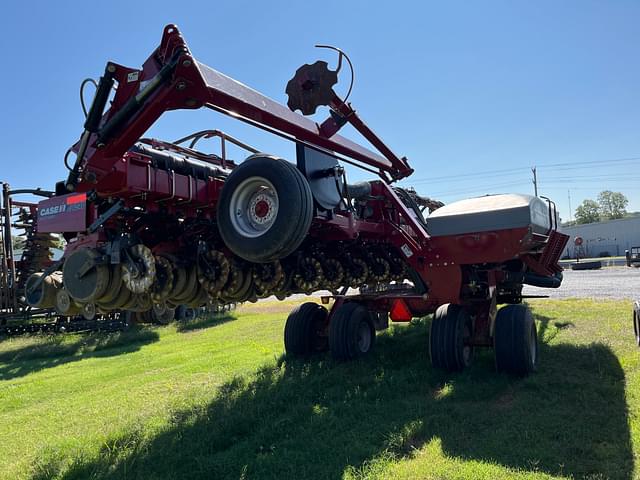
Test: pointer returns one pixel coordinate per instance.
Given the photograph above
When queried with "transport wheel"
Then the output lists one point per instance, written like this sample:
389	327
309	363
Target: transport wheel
351	332
515	340
450	327
304	332
265	209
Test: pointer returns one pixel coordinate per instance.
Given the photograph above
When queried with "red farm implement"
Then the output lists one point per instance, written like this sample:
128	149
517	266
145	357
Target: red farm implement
152	225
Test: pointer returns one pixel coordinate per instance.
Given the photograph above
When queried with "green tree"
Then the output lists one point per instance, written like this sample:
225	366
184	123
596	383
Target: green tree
612	204
588	212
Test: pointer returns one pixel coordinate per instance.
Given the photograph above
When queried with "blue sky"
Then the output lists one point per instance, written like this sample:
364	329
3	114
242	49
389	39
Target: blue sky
473	93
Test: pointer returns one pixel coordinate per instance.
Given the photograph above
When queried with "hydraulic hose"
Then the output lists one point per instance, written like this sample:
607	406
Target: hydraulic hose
540	281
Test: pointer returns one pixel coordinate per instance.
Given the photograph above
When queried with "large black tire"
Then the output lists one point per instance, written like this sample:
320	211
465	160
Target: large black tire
265	209
515	340
450	327
304	332
351	333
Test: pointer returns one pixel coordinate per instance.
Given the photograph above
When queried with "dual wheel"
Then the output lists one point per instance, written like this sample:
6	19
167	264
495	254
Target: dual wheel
515	339
350	335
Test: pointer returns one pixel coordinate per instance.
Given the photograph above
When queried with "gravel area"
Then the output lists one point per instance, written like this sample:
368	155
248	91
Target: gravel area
608	282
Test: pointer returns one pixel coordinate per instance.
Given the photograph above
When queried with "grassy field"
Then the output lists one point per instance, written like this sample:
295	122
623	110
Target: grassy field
216	399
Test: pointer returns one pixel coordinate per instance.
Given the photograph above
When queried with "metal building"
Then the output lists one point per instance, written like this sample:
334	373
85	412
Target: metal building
608	238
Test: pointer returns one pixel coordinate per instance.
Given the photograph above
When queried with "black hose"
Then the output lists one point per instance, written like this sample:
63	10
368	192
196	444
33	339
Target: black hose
411	204
541	281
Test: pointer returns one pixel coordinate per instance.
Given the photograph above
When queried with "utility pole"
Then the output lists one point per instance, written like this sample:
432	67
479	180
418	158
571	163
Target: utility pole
535	180
570	210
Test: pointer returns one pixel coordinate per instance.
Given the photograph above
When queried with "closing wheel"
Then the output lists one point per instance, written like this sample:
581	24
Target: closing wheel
515	340
305	330
162	314
165	279
351	333
265	209
450	328
139	271
239	282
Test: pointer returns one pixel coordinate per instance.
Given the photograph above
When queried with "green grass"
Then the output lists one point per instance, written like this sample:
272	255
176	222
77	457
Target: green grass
215	399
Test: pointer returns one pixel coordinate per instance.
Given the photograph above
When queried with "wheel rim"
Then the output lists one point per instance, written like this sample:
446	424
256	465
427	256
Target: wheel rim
364	337
253	207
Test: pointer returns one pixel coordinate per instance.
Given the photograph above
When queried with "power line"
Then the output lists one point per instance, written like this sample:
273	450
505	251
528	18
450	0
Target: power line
482	189
590	162
462	177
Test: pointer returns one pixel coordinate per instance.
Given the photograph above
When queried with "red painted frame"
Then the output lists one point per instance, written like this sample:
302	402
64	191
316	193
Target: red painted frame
110	169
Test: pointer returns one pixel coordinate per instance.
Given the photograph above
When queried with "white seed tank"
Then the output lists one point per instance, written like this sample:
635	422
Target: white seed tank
488	213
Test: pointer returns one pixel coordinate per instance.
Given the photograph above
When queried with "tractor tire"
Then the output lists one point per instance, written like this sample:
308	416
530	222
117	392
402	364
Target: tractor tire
450	326
265	209
351	332
515	340
303	332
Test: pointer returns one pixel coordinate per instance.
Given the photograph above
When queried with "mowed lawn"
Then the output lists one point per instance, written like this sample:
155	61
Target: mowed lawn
217	399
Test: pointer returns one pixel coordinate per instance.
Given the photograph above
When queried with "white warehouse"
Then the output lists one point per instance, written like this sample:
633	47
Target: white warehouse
608	238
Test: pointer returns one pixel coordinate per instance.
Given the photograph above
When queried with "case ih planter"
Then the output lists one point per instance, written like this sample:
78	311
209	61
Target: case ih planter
154	224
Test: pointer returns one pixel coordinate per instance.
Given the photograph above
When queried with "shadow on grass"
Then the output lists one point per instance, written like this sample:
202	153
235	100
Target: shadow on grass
317	419
57	350
201	322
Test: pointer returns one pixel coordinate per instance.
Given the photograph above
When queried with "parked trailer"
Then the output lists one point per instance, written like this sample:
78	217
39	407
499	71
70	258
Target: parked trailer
156	224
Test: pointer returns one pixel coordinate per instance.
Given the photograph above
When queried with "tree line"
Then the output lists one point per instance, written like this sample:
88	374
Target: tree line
609	206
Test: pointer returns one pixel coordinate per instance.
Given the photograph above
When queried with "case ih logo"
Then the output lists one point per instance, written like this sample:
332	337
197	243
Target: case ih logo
72	204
